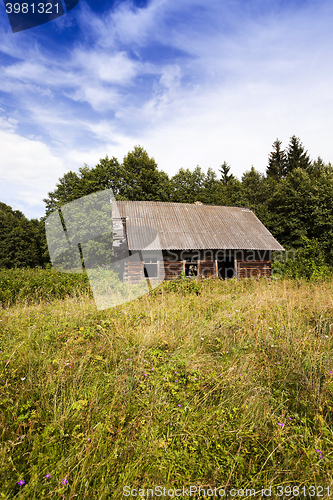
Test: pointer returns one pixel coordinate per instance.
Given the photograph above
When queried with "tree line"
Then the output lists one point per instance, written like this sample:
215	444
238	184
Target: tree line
293	199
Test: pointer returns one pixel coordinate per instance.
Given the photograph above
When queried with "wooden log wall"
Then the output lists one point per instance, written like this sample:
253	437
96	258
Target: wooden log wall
133	271
207	268
173	269
255	269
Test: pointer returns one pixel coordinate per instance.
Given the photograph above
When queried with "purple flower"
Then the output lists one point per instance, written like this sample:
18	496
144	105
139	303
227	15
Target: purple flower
145	375
127	359
64	481
176	380
331	373
290	418
280	424
21	482
48	476
196	379
179	405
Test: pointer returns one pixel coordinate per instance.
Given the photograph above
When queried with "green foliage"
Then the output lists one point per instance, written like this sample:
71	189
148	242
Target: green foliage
22	242
307	262
34	285
277	162
225	176
297	157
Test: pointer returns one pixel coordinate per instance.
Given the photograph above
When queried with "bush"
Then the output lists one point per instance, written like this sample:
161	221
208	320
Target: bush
34	285
307	262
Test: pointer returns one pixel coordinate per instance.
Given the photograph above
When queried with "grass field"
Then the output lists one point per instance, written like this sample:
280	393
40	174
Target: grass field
211	384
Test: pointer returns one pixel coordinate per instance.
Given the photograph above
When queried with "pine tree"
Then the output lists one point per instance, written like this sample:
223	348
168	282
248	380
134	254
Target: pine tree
297	157
225	176
277	162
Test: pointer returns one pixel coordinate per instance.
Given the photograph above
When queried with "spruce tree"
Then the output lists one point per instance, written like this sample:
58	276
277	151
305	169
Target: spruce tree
225	176
297	157
277	162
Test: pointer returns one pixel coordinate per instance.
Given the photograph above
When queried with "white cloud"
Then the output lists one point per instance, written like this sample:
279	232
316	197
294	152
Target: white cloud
192	81
28	171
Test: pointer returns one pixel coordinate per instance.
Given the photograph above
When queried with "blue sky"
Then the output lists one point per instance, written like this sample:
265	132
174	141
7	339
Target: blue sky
194	82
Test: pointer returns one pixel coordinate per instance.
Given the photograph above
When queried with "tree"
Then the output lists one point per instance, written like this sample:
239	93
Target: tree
142	179
255	188
187	186
72	186
137	178
277	162
225	176
21	243
297	157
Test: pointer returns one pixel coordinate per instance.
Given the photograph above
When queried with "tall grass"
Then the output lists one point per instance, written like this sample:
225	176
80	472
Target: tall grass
218	384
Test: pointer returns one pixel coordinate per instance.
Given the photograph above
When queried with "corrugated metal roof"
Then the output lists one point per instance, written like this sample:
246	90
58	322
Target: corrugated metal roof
154	225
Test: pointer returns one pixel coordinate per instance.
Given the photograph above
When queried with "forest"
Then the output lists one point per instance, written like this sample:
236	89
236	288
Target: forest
293	199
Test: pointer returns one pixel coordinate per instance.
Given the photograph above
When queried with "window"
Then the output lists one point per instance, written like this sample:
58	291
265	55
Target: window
151	267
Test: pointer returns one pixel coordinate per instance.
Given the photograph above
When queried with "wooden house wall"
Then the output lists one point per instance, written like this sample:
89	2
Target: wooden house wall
247	264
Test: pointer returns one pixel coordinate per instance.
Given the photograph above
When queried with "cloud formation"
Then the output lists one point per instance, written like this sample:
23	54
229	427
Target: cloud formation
194	82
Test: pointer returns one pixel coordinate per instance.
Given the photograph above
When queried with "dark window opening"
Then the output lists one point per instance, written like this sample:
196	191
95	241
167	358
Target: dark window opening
191	269
226	269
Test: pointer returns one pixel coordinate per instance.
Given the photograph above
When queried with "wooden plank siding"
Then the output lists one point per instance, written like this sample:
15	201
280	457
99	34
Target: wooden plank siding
247	264
256	269
207	268
133	271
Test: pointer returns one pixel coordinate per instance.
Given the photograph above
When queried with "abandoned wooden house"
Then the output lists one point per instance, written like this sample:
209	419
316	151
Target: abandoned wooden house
196	239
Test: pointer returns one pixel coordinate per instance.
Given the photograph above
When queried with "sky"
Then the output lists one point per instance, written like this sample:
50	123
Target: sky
195	82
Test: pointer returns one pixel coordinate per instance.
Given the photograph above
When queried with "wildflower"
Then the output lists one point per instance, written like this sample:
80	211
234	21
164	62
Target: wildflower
290	418
279	363
196	379
179	405
145	375
270	328
21	482
64	481
175	373
127	359
280	424
47	476
320	456
23	378
202	338
331	373
176	380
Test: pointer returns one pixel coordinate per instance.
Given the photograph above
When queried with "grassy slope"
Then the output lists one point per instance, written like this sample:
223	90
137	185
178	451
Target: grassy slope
172	389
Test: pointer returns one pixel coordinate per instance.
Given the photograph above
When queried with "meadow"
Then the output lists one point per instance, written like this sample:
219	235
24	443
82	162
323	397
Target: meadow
217	384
